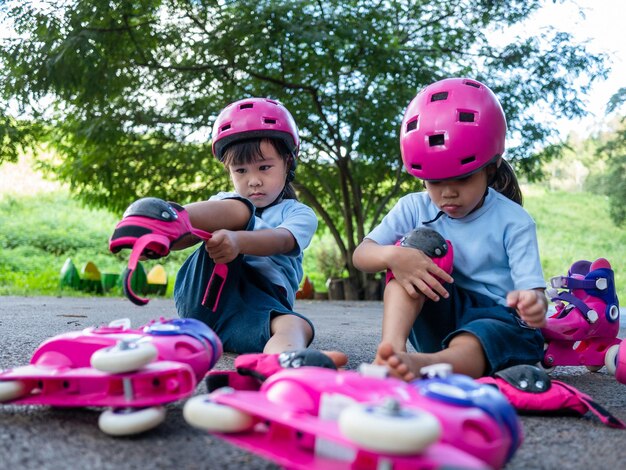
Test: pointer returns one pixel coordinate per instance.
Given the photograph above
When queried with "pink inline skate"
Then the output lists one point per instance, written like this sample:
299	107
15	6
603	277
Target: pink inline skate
314	418
132	371
584	328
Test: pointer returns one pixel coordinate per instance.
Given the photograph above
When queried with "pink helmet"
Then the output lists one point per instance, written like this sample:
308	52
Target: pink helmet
452	128
254	117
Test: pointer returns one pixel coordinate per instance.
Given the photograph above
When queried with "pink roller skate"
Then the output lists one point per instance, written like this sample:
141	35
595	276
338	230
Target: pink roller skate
132	371
584	329
149	227
317	418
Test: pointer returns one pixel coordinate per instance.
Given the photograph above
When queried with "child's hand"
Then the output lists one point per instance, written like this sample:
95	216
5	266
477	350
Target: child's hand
222	247
417	272
531	305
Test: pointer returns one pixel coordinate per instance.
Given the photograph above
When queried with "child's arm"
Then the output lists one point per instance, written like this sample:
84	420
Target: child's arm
531	305
414	270
225	245
210	216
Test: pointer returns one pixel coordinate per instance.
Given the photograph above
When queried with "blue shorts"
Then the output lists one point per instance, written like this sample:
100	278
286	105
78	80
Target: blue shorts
506	339
247	304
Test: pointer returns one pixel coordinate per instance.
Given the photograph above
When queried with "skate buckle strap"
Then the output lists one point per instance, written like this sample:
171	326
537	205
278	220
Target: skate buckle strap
566	282
576	302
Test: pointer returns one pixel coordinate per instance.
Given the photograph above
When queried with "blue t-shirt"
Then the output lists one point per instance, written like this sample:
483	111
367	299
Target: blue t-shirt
284	269
495	247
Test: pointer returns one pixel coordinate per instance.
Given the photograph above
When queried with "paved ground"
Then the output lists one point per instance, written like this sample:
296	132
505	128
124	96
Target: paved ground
51	438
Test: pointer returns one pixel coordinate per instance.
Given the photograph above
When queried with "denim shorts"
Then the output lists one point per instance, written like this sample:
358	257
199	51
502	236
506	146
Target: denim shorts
247	304
506	339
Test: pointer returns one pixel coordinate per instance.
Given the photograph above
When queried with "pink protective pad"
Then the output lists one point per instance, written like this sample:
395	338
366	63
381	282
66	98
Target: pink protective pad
432	244
150	226
530	390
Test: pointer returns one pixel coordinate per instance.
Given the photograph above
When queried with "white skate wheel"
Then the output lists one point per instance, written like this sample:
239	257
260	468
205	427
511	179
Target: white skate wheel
202	413
124	357
396	431
610	359
128	421
11	389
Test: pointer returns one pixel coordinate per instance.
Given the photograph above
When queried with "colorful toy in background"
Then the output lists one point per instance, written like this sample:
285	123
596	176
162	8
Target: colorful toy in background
90	279
319	418
306	290
583	330
134	372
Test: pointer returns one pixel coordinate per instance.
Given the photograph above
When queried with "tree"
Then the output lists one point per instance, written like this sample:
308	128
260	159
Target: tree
128	90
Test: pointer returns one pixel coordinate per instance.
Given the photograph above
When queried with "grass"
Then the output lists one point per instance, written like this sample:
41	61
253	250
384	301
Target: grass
575	226
38	233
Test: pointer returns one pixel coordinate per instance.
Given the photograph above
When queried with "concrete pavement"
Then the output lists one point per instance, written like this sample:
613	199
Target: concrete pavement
52	438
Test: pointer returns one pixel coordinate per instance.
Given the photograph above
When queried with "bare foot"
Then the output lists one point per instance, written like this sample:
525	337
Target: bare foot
339	359
402	365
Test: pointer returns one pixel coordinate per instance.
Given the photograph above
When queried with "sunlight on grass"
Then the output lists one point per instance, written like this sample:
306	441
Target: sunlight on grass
575	226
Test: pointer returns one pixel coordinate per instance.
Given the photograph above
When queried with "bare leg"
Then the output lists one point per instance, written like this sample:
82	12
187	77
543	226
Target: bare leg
464	353
290	332
400	311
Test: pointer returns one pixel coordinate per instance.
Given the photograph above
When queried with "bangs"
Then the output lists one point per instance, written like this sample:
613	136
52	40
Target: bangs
244	152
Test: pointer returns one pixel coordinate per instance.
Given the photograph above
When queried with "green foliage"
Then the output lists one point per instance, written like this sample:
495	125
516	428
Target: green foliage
615	151
322	261
128	91
38	233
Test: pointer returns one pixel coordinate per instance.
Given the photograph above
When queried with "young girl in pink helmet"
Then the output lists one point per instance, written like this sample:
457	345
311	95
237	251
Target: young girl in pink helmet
484	316
259	231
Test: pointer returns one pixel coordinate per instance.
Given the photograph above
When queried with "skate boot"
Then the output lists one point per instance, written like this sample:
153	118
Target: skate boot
586	322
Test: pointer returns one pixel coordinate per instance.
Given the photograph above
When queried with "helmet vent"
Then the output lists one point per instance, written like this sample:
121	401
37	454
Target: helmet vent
225	128
435	140
474	84
411	126
416	166
439	96
467	160
466	117
269	121
246	106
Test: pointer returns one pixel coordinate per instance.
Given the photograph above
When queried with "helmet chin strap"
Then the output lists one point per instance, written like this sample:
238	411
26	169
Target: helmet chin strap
439	214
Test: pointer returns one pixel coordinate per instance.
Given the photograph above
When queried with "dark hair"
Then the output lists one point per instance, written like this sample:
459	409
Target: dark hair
248	151
505	182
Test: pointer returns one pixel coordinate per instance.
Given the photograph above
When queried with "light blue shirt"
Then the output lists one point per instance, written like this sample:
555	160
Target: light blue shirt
284	269
495	247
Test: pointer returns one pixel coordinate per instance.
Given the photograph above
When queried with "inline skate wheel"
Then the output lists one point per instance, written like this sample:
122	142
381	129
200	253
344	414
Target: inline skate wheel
610	359
125	356
11	389
202	413
389	428
125	422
